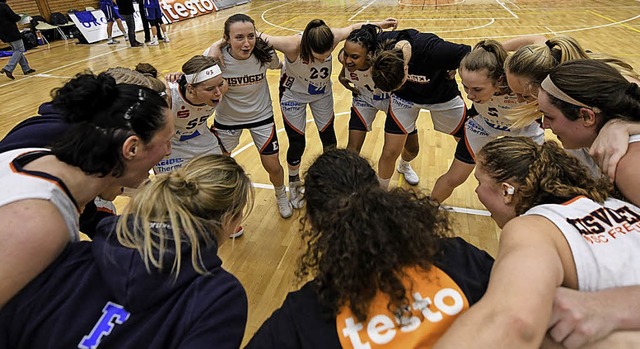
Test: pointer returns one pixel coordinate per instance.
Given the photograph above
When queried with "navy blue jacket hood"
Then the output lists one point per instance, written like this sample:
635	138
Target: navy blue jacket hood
100	295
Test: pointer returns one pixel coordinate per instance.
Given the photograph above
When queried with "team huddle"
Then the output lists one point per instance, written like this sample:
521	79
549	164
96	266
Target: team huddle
381	268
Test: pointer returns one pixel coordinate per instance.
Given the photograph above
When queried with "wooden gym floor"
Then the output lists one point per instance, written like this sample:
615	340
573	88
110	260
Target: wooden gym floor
264	258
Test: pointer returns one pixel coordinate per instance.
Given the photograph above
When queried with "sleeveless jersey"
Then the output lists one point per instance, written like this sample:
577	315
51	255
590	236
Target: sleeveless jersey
18	184
604	240
313	79
634	138
248	99
496	111
192	137
368	92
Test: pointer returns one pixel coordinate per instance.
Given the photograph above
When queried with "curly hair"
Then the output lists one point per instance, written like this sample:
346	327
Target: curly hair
360	237
544	173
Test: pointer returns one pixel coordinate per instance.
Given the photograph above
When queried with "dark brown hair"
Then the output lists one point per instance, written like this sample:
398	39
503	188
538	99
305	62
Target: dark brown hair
360	237
317	37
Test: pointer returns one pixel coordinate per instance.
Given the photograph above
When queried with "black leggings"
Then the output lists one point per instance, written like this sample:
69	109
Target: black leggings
297	142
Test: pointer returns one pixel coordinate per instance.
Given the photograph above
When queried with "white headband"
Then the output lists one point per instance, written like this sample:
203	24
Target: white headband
551	88
204	75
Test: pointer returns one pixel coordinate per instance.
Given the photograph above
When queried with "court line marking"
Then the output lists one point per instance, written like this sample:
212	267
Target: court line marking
506	8
514	4
273	24
613	20
469	28
124	47
433	5
362	9
550	31
543	33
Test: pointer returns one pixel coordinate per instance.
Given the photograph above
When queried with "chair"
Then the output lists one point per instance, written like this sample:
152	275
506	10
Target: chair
62	22
39	24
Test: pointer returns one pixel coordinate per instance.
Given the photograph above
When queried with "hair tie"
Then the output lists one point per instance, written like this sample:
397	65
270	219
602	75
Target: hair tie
549	44
632	89
487	48
192	187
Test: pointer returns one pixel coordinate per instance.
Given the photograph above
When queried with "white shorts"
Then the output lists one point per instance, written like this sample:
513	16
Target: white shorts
264	137
364	111
478	133
183	151
295	112
448	117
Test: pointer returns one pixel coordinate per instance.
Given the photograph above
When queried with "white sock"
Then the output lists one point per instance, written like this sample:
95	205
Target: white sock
384	183
280	190
403	162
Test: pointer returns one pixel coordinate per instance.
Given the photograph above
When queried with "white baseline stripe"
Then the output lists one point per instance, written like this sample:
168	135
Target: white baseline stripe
362	9
506	8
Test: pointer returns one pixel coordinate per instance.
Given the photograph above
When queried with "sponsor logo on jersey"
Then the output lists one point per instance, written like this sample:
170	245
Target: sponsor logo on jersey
605	224
436	301
245	80
183	114
418	79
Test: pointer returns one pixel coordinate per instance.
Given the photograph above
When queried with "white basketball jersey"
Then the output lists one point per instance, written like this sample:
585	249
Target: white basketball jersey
190	120
248	99
192	137
312	78
17	184
497	110
364	82
604	240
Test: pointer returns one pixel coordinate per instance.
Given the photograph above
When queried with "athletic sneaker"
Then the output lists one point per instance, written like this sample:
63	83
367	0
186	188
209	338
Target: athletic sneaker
296	194
284	206
153	42
166	39
238	233
409	174
112	41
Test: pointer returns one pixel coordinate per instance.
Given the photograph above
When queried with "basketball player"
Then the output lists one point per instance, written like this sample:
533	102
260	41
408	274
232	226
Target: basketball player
496	112
359	47
383	272
151	278
247	103
559	228
417	68
305	79
119	132
193	99
154	17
